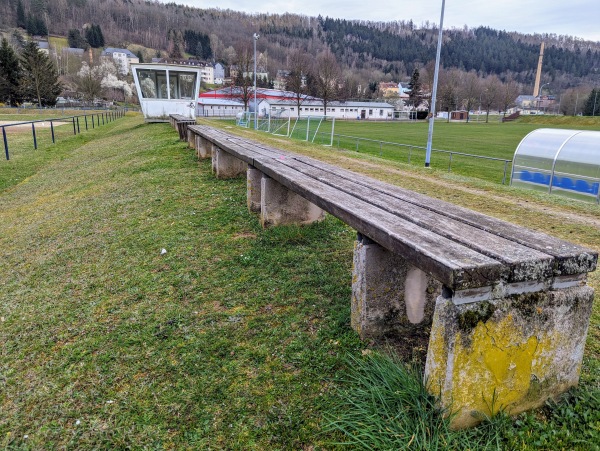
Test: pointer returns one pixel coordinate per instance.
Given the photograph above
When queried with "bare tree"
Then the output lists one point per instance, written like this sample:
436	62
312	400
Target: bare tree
327	77
243	80
448	86
299	62
470	91
490	94
508	95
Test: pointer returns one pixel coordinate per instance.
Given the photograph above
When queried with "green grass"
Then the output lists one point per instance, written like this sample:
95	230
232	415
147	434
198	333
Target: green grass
235	338
383	405
493	139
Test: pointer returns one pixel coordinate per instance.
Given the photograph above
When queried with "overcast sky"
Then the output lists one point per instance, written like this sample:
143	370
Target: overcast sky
579	18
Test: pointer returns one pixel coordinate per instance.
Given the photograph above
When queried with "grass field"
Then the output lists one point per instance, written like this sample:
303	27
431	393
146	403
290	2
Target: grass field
233	337
494	139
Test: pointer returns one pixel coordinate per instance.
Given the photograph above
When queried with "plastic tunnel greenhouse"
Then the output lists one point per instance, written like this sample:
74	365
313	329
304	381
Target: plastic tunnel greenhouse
558	161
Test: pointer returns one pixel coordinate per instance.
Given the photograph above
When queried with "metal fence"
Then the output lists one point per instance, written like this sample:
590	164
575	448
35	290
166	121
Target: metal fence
374	146
79	123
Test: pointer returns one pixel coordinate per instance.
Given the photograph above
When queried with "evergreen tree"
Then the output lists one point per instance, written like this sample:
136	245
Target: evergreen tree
416	94
76	40
39	82
94	36
21	19
592	104
9	75
36	26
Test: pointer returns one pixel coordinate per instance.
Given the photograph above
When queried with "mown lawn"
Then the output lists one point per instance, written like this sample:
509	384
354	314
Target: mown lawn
142	306
494	139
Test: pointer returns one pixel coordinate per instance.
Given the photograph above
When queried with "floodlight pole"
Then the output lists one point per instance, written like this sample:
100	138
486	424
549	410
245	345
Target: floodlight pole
255	36
434	92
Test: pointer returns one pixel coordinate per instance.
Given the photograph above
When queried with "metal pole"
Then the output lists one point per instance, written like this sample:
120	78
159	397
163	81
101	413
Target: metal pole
33	134
450	162
93	123
5	143
255	36
74	129
85	119
78	130
434	93
52	132
504	176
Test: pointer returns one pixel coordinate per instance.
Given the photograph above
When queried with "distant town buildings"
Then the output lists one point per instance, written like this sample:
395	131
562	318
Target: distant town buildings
122	58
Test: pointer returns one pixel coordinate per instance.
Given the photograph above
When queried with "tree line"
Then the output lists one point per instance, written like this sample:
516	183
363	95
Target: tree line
374	51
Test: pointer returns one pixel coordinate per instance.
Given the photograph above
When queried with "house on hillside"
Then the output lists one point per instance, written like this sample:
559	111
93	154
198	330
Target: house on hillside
389	89
219	74
123	58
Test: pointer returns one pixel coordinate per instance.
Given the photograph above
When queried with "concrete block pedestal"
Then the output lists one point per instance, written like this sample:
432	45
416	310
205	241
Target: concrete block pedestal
511	353
225	165
280	206
389	296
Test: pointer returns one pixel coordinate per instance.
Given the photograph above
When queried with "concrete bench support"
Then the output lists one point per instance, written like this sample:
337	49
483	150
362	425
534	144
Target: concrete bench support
203	147
227	166
389	295
513	353
254	182
280	206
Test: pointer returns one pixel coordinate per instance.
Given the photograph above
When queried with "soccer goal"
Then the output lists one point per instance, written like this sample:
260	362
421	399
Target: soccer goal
310	127
279	123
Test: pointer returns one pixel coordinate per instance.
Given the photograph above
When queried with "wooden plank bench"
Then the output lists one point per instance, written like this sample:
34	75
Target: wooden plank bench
508	307
180	123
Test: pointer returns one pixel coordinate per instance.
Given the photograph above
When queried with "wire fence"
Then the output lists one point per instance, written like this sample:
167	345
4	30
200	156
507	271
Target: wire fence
53	128
489	168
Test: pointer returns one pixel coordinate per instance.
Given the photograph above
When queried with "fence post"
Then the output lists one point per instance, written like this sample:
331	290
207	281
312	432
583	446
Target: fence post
33	134
52	132
409	153
5	143
78	130
450	162
379	148
85	119
74	129
357	144
505	168
93	123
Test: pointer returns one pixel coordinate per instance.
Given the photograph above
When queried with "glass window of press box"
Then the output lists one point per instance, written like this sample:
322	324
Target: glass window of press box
558	161
162	84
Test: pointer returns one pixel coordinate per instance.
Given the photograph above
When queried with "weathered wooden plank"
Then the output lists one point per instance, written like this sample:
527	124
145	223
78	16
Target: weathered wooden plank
526	259
455	265
568	258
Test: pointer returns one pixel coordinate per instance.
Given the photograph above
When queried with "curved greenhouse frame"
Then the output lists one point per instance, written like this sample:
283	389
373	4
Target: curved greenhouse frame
558	161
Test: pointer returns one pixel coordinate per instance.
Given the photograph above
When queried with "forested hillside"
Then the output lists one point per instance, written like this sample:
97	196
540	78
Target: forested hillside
373	51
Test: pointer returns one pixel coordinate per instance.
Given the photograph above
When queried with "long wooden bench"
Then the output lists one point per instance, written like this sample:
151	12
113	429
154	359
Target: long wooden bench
181	123
507	307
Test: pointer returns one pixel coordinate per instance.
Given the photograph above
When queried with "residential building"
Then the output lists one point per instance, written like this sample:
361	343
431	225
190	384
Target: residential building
122	58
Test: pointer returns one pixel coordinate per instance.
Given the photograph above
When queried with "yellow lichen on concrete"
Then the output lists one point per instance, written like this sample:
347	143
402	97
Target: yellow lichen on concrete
498	366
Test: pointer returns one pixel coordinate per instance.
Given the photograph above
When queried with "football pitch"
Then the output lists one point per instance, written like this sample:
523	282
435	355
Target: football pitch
456	147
